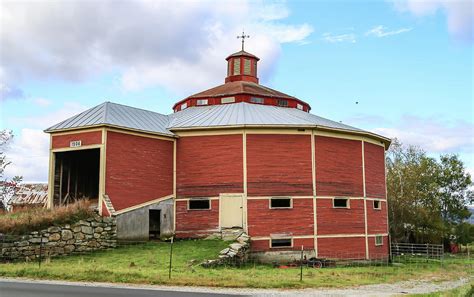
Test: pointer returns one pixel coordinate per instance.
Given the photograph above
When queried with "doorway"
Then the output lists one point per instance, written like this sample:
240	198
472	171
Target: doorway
154	225
231	210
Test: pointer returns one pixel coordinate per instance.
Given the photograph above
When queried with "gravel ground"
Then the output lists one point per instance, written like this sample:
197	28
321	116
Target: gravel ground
396	289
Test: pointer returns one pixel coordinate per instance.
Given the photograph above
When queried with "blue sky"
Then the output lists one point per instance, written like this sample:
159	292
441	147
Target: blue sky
409	64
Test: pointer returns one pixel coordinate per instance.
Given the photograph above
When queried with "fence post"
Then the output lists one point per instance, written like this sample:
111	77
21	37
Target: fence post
171	257
40	251
301	265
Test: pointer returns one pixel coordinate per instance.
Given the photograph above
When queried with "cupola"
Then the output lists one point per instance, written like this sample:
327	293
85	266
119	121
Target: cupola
242	66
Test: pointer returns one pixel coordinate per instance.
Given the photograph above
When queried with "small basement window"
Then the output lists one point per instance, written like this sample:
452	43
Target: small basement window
378	240
202	102
228	100
199	204
377	204
256	100
340	203
280	243
283	103
280	203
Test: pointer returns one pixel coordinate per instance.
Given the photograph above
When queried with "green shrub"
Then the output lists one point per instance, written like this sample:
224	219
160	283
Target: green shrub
35	219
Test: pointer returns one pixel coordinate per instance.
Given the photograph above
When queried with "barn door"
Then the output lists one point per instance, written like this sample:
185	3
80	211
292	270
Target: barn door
231	210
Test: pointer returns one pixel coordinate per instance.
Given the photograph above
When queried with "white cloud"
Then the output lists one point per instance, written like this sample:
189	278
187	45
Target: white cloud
332	38
459	14
381	31
180	47
433	134
42	101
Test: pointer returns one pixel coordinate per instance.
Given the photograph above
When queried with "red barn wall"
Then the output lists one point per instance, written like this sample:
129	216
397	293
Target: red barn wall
340	220
279	165
338	167
374	157
377	219
342	247
196	223
87	138
264	245
263	221
138	169
380	251
209	165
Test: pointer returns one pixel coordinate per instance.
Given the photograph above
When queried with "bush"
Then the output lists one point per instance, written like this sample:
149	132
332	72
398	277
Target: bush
35	219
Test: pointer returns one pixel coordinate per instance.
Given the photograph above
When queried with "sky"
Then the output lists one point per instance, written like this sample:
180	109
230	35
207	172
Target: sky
408	63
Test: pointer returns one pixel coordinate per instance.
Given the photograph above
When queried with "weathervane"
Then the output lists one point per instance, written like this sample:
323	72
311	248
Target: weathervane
243	36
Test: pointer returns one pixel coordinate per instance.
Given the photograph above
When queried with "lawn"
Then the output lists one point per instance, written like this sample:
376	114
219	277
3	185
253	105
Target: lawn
148	264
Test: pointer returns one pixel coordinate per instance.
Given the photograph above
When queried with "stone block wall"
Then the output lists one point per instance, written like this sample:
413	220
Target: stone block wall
95	233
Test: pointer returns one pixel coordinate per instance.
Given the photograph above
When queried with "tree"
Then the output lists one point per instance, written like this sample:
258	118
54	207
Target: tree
7	187
428	197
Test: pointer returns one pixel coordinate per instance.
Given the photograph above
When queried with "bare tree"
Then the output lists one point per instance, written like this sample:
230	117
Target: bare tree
7	187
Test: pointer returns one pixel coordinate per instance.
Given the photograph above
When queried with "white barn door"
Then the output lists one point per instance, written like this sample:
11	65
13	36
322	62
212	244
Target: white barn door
231	210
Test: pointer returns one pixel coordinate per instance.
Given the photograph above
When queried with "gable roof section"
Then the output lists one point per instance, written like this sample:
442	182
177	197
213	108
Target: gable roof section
117	115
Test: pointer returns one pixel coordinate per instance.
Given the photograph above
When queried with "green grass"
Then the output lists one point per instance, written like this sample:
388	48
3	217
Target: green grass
148	264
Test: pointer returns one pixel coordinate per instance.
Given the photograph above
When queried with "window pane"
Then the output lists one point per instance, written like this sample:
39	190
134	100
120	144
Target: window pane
283	103
280	203
228	100
236	66
281	242
256	100
247	66
200	204
376	204
201	102
338	202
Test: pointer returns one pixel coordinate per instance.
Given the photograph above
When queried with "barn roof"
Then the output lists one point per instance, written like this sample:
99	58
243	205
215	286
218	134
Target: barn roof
118	115
203	117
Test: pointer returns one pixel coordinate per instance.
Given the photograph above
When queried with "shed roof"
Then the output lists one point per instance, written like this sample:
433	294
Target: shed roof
203	117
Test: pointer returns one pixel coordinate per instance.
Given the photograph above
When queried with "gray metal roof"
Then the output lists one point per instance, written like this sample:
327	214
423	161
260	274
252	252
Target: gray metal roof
247	114
236	114
118	115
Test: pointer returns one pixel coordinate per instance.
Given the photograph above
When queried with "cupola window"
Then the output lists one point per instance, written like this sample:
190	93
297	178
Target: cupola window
202	102
283	103
236	66
247	67
256	100
228	100
184	106
299	106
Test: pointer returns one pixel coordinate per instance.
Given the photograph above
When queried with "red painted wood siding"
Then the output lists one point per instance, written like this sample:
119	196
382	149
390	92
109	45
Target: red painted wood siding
279	165
263	221
374	156
138	169
196	223
209	165
340	220
377	219
342	247
87	138
378	252
338	167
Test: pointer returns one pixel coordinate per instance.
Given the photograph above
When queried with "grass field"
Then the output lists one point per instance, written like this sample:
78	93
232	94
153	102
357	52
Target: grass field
148	264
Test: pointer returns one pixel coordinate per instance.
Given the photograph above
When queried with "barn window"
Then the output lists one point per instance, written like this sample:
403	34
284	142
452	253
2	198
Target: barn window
199	204
236	66
299	106
280	203
201	102
184	106
377	204
281	242
256	100
340	203
378	240
228	100
247	66
283	103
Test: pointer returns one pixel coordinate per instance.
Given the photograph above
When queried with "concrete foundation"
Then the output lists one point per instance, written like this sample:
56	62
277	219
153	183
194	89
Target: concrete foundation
281	257
134	225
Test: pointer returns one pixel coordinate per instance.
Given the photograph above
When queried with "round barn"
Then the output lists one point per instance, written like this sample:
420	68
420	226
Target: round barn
236	156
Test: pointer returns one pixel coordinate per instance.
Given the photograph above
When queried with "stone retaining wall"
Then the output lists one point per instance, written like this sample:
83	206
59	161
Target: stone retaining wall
95	233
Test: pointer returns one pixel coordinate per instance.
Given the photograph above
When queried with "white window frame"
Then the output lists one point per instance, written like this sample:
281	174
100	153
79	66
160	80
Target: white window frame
380	205
381	240
227	100
184	106
199	209
202	102
280	247
342	207
280	198
299	106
